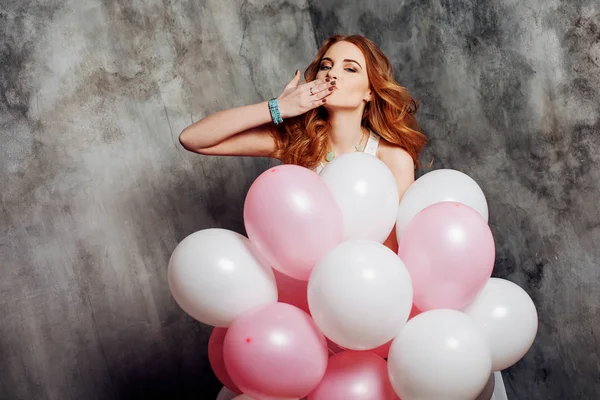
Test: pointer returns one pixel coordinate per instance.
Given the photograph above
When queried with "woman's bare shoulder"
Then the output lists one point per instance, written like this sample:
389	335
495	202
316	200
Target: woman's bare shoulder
400	163
394	156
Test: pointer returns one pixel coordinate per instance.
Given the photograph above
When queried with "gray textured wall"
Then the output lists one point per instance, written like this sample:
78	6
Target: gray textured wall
96	191
511	96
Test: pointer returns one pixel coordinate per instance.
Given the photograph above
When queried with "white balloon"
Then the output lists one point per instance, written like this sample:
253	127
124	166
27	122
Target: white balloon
360	294
439	186
226	394
367	193
214	277
488	390
440	354
508	318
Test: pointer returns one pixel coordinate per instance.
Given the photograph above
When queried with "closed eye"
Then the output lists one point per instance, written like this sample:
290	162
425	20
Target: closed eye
323	67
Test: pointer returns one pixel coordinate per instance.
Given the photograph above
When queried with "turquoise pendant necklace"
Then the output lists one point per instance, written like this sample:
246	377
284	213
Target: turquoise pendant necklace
330	156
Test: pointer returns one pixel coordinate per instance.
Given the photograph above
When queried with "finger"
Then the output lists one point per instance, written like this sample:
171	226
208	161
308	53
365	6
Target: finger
315	83
294	82
323	88
322	99
308	86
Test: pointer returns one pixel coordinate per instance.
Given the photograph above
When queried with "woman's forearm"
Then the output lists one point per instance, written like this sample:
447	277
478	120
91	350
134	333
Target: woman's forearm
217	127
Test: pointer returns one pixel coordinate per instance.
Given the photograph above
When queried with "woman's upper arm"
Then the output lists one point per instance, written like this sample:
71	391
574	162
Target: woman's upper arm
401	164
254	142
402	167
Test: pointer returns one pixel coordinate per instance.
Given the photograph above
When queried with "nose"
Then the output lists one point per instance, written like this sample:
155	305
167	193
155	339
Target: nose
331	75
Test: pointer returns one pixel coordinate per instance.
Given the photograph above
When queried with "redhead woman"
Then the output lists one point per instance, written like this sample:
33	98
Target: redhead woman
349	102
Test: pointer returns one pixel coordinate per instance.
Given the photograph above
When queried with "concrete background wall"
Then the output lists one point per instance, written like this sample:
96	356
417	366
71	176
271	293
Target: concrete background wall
96	191
510	94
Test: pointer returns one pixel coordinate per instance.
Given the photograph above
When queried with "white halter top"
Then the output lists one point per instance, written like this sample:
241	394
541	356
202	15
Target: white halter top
370	148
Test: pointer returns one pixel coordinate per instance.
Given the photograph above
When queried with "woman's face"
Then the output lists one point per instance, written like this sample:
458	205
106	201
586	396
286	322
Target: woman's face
345	63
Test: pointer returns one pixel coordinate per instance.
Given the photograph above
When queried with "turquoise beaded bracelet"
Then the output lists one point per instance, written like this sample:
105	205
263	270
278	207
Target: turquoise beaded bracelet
275	114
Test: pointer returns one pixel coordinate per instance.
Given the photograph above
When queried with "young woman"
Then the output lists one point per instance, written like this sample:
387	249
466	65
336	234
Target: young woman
348	102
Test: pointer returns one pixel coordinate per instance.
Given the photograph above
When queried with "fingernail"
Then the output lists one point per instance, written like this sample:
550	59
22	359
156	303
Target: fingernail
330	88
333	83
324	100
327	79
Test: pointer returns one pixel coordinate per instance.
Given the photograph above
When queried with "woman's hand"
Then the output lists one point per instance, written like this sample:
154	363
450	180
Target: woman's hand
297	98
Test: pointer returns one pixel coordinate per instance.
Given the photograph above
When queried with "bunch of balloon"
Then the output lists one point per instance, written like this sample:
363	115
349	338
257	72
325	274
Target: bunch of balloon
470	324
262	347
312	304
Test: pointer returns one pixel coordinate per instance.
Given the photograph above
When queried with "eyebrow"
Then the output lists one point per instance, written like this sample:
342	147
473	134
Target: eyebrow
345	59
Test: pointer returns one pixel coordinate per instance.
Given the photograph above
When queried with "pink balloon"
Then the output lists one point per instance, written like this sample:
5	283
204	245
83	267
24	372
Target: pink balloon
292	219
449	251
355	375
414	312
275	351
383	350
215	358
333	348
292	291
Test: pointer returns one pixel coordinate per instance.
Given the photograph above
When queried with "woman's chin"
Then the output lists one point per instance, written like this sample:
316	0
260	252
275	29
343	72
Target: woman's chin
334	104
332	101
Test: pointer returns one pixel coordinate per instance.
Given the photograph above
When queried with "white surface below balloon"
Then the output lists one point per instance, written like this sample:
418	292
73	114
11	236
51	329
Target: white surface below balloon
360	294
440	354
214	277
499	389
508	319
246	397
367	193
439	186
226	394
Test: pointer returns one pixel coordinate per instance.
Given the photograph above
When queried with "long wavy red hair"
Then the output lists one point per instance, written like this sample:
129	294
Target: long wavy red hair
302	140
